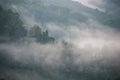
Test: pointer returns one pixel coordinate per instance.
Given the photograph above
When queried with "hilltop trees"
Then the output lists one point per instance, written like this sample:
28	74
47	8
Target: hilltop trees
42	37
11	26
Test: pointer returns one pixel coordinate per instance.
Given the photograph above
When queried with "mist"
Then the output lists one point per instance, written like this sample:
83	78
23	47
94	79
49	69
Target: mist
111	6
85	48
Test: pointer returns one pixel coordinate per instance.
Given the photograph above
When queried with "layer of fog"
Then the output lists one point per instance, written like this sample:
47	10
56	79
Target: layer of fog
86	43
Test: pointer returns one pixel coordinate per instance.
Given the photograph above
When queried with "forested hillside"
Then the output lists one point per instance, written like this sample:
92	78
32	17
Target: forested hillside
12	28
11	25
58	12
58	40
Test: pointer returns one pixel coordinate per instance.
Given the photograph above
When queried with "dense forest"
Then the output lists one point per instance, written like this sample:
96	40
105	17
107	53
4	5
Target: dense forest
12	28
11	25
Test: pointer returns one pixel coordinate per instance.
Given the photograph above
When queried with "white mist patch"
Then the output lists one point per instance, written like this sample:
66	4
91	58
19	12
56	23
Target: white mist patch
35	53
91	3
92	41
86	42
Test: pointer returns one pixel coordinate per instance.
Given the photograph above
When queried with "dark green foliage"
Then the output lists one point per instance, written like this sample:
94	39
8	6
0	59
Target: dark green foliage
42	37
11	25
106	19
35	31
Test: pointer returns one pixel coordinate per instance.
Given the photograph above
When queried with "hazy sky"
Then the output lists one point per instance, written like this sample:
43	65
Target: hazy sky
103	5
91	3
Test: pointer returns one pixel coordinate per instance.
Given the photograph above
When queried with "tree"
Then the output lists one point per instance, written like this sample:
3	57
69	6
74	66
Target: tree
39	35
35	31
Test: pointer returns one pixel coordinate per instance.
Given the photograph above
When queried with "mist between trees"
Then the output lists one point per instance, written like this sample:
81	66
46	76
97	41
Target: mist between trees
86	51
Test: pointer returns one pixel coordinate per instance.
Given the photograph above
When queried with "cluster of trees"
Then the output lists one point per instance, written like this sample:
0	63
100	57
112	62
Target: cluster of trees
39	35
11	25
12	28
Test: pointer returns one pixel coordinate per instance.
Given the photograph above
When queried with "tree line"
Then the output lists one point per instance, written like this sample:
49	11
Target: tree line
12	27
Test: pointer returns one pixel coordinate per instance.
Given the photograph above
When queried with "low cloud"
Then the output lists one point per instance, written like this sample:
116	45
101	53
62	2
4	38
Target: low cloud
86	44
102	5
